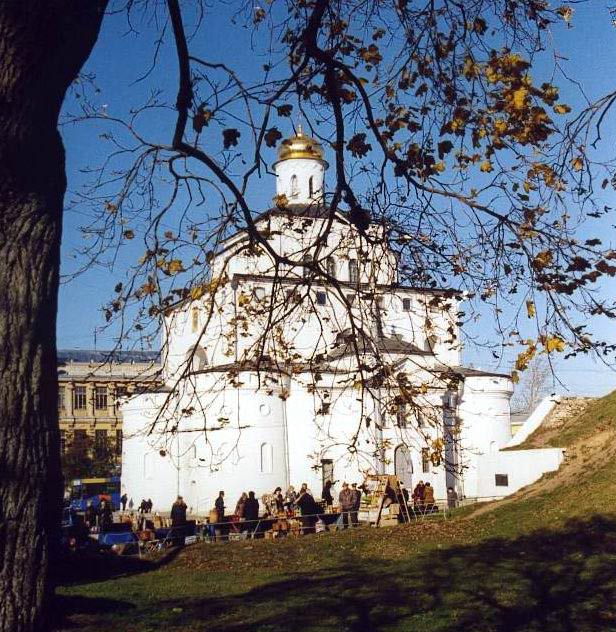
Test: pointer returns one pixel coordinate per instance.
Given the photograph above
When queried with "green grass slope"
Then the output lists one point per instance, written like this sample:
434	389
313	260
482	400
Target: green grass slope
543	561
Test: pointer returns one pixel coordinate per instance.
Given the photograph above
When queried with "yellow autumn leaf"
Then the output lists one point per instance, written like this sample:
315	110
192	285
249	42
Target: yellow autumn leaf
486	166
197	292
530	309
561	108
577	163
519	98
553	343
175	266
525	357
243	299
439	167
500	126
515	377
542	259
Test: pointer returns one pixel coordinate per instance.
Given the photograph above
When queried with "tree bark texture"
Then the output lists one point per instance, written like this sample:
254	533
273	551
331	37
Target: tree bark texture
43	45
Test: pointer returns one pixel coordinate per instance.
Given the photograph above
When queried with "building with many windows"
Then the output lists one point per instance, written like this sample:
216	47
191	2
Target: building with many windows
90	386
278	374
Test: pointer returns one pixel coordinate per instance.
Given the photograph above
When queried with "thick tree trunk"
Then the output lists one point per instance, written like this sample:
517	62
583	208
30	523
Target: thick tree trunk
43	45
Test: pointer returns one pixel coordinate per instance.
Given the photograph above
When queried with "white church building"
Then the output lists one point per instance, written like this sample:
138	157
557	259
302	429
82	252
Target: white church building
318	366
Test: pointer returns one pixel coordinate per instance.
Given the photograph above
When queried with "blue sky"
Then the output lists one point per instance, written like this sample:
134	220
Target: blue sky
586	52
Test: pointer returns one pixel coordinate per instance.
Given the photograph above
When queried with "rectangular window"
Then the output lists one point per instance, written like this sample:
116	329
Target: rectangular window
406	304
321	298
62	441
61	395
100	398
353	271
80	442
118	442
425	460
501	480
120	391
100	443
79	398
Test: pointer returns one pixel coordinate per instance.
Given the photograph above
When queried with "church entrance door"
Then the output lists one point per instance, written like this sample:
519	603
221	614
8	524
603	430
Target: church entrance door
403	466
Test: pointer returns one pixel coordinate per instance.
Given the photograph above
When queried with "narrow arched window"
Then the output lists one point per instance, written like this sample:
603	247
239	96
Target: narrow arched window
294	186
331	267
353	271
195	319
310	187
267	458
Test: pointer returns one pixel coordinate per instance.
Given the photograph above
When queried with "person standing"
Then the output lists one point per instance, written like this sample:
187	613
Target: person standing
251	512
178	520
123	501
240	507
90	515
418	496
429	497
347	503
219	505
356	504
279	500
290	499
178	513
105	516
326	494
309	509
452	498
150	504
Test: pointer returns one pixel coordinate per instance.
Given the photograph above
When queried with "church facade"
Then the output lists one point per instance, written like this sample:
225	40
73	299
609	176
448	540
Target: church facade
316	364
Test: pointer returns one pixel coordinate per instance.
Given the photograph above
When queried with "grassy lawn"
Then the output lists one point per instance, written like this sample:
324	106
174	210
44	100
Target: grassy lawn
545	561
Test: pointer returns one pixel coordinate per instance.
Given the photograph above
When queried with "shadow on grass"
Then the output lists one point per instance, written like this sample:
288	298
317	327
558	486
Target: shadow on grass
87	568
549	581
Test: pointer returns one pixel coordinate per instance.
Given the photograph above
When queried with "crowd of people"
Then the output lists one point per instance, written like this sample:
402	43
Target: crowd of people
248	511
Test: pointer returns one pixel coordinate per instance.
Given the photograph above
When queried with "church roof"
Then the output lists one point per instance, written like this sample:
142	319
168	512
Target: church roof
94	356
383	344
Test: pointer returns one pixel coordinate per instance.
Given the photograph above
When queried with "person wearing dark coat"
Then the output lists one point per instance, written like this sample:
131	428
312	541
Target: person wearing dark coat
279	498
90	515
356	505
326	494
418	495
219	505
309	510
123	501
105	515
178	513
251	512
178	521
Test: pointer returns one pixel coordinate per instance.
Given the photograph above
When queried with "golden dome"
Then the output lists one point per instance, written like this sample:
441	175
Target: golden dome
300	146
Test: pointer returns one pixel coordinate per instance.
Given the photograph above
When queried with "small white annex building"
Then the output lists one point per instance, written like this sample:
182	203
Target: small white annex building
355	373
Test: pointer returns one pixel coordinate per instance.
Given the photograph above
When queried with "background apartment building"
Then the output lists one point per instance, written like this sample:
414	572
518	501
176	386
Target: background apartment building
89	388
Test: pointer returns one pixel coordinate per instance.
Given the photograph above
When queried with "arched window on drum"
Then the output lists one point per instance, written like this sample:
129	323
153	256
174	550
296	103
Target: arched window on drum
294	186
